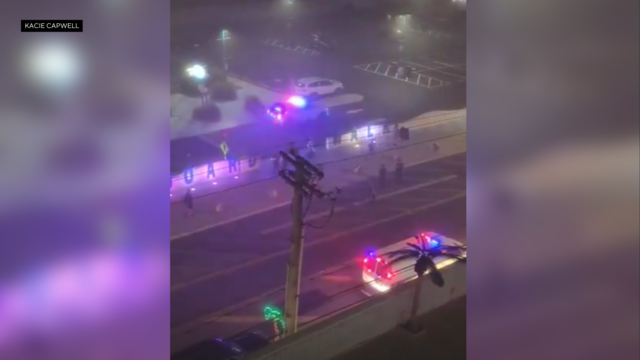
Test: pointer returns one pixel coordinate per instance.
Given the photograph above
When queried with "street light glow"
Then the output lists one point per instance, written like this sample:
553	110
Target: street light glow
197	71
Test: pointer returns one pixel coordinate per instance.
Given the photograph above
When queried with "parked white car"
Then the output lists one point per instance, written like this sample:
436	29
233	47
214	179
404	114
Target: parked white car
316	86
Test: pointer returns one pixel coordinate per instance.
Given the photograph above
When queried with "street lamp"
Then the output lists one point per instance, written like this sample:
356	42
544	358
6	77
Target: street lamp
198	72
224	36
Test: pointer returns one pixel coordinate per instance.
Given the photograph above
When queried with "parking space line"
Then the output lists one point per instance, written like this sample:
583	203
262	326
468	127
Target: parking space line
423	80
279	44
459	67
436	69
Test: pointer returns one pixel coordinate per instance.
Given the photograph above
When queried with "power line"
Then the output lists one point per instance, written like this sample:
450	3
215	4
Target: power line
330	163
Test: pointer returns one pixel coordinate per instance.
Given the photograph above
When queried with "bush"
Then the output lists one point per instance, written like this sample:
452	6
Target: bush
253	105
216	75
223	91
207	113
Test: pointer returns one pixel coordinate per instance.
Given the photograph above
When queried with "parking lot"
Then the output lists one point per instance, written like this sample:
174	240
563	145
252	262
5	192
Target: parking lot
425	71
290	47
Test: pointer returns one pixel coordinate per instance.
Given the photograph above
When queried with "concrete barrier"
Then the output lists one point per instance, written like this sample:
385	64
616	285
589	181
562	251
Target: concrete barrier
345	330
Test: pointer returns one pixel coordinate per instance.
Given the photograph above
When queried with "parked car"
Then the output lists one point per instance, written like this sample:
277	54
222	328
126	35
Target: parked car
234	348
211	349
316	86
250	341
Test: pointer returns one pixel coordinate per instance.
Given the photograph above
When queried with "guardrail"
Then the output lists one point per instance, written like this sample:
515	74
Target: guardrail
365	321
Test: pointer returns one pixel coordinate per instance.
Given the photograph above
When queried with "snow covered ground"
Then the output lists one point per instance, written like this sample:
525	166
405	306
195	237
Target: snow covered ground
233	112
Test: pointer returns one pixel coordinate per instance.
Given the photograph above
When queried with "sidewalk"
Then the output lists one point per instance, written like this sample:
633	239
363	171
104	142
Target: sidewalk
218	176
269	191
444	338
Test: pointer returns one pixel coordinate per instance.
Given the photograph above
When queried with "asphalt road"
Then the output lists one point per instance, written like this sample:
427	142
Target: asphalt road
229	265
363	60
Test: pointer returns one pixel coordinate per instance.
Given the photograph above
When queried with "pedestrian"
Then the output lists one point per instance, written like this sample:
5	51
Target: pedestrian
233	164
337	140
276	163
404	133
372	146
354	134
396	133
188	203
292	148
204	94
436	147
310	146
373	195
385	128
399	170
382	176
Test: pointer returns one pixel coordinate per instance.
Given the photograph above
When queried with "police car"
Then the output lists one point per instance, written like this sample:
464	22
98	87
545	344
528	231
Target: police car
314	87
297	108
379	275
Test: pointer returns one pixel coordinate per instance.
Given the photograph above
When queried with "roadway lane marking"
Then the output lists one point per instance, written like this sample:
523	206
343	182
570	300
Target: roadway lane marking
339	278
215	316
285	203
219	315
359	203
263	259
232	220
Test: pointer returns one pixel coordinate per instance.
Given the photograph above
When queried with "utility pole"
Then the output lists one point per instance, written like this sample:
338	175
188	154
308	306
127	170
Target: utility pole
224	36
303	179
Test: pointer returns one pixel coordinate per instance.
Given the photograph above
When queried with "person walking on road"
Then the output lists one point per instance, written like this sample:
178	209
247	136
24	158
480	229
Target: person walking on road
188	203
374	194
382	176
276	163
372	146
399	170
292	148
396	134
310	146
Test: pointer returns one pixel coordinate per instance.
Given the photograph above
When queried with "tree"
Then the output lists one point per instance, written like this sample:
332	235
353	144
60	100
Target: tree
275	316
207	114
424	251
